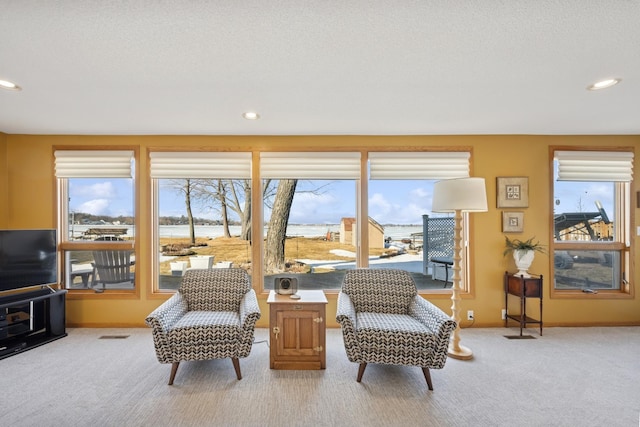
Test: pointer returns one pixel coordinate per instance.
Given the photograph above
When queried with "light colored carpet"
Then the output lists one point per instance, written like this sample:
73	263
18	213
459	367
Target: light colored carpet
569	377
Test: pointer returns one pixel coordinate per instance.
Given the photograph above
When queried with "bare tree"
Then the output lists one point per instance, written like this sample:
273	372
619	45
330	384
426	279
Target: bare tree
239	201
186	188
235	196
222	196
230	196
277	233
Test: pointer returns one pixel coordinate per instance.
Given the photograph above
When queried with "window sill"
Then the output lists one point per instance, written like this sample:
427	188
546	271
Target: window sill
81	294
600	295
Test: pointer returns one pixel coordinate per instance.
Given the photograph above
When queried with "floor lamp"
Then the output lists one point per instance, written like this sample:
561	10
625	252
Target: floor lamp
457	196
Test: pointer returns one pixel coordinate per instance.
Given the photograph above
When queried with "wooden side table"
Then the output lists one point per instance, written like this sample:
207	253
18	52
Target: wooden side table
523	288
297	330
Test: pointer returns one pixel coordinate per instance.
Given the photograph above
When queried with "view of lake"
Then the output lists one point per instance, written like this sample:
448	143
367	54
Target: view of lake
396	232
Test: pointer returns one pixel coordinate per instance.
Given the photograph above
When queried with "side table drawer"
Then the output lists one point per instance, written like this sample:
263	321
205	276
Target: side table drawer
532	286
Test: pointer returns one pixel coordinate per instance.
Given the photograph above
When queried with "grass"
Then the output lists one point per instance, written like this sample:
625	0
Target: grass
239	251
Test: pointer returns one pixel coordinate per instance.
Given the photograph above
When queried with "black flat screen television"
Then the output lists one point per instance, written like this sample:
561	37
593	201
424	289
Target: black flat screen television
28	258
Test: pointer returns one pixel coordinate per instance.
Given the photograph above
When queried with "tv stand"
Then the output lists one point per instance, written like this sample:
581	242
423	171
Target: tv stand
30	319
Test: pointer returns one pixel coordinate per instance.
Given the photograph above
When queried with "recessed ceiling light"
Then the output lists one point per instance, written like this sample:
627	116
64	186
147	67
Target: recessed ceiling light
251	115
6	84
603	84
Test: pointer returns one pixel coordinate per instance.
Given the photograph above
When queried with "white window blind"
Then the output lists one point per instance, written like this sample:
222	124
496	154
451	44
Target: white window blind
94	163
200	165
595	165
310	165
419	165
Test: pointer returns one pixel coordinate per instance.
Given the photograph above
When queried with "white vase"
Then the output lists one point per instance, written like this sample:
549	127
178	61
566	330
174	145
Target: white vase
523	259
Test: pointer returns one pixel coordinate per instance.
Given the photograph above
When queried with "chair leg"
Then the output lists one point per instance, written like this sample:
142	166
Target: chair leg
236	366
361	371
427	376
174	369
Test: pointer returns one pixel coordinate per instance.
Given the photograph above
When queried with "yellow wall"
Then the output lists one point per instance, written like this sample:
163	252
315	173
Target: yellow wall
31	202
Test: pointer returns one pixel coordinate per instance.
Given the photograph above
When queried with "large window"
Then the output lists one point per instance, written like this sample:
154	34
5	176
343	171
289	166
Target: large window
96	212
308	200
202	203
401	224
311	226
591	212
312	218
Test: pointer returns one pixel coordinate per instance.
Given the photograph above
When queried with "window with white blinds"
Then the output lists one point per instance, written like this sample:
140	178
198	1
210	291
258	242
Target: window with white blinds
202	211
591	212
614	166
419	165
97	217
94	163
400	192
219	165
310	165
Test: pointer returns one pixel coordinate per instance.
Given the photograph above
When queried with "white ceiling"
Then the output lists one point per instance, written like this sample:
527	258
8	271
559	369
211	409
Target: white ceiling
324	67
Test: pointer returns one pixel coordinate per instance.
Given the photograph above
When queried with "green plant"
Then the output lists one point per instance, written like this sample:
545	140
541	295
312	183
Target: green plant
519	245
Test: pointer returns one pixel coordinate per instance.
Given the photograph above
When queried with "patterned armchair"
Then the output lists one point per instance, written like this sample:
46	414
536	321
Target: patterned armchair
384	320
212	316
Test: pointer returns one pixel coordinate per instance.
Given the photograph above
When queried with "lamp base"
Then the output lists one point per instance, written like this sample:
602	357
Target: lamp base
460	353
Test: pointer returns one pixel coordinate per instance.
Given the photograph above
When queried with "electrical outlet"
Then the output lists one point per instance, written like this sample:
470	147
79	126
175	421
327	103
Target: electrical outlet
469	314
504	313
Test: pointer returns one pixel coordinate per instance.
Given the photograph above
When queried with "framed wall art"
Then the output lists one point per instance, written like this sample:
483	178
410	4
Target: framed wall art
513	192
512	222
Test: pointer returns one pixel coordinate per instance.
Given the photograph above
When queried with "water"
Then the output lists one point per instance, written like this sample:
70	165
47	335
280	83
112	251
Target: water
395	232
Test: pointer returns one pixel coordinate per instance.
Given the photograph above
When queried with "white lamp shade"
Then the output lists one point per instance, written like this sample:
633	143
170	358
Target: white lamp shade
463	194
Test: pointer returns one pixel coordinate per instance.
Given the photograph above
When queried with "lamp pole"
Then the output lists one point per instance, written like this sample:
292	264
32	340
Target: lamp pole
456	350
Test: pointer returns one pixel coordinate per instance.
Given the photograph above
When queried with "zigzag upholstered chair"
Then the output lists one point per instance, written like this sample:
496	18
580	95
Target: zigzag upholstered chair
212	316
384	320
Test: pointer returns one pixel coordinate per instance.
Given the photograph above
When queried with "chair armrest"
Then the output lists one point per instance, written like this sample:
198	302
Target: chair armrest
249	315
435	319
167	314
249	310
161	320
346	311
346	317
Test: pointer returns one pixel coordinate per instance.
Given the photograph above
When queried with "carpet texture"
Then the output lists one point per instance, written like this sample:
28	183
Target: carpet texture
568	377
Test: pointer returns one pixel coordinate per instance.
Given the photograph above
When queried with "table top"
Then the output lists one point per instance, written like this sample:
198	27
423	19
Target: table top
517	276
307	296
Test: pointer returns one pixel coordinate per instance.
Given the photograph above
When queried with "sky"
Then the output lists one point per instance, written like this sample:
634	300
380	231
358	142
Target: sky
101	196
572	196
316	202
325	202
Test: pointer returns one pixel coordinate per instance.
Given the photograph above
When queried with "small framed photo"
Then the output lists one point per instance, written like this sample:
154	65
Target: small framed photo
512	222
513	192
